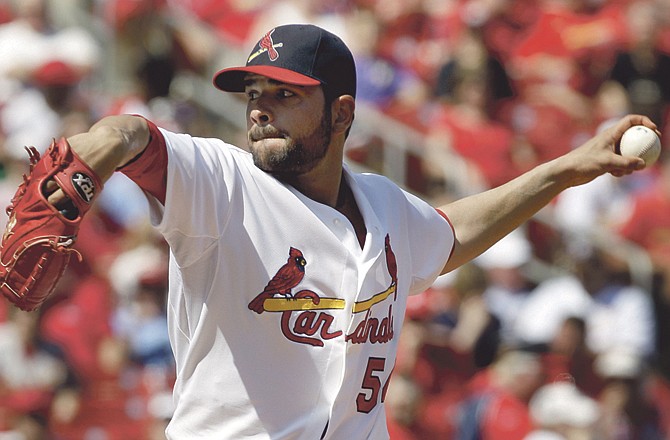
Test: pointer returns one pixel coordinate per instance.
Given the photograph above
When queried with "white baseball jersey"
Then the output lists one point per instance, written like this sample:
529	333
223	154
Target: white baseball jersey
281	325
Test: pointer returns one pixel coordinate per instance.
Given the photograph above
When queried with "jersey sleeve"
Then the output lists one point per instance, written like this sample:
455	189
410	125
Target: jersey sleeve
431	239
421	236
201	174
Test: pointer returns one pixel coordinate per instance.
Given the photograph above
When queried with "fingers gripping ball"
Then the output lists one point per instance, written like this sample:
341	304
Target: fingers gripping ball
37	243
641	141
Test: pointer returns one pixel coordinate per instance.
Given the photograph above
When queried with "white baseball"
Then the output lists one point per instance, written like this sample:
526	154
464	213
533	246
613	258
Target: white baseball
642	142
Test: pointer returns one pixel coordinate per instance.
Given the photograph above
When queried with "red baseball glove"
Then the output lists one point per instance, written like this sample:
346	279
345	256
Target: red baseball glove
37	243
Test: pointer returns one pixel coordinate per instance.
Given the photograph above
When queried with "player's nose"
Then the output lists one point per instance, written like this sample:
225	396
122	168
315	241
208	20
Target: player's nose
260	115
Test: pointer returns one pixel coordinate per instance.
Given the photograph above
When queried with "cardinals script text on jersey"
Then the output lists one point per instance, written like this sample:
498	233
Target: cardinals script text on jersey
312	323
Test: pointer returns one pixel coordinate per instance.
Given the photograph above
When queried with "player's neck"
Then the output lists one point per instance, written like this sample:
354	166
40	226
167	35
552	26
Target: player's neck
324	186
321	183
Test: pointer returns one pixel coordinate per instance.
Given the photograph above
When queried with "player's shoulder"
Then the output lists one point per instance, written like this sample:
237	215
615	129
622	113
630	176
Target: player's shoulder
373	180
378	185
179	139
212	146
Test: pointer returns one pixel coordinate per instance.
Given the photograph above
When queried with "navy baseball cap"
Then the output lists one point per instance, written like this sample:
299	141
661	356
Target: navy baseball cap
300	54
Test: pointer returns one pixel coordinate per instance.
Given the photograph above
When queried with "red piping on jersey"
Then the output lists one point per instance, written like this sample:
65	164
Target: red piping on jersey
452	228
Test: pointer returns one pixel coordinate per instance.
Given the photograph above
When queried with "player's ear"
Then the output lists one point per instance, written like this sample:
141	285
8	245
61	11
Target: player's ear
343	108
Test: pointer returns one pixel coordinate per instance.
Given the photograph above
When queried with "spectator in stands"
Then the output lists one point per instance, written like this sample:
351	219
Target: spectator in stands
621	313
582	215
460	334
403	403
31	373
647	223
458	337
140	318
503	24
472	57
464	117
626	408
548	306
616	312
113	403
39	63
642	67
498	406
558	67
412	34
508	283
568	357
380	80
561	412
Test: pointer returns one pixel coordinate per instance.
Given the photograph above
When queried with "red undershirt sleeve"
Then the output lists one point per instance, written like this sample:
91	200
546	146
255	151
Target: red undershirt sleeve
149	168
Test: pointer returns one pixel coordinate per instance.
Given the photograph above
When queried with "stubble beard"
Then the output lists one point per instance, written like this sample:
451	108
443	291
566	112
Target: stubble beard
298	155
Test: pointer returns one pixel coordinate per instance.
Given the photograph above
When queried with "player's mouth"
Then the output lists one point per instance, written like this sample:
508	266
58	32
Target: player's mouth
259	134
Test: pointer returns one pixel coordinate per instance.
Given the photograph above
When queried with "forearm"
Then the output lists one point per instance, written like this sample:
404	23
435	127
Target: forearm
111	143
107	145
481	220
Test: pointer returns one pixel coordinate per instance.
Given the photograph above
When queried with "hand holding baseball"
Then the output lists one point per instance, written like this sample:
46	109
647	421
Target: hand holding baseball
602	154
641	141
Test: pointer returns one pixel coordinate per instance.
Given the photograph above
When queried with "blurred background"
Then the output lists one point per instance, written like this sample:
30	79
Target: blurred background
560	331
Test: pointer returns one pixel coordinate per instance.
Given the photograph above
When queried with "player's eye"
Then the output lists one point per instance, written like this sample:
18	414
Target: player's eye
285	93
252	94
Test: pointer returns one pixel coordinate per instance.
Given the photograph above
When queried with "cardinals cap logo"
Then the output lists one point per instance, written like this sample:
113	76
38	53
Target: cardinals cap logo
267	45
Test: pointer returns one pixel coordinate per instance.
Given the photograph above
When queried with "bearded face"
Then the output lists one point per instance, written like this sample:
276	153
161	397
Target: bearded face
281	152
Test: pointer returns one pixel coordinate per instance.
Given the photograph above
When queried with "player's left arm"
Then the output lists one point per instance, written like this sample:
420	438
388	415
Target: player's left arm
46	211
481	220
110	143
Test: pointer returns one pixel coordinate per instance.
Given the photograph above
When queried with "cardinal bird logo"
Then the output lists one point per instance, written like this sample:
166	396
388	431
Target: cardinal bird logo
286	278
267	44
391	264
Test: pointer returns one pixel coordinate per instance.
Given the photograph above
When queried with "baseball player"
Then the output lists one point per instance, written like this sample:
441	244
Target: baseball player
289	273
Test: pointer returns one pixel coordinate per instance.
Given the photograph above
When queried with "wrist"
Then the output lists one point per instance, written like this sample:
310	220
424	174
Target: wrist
111	143
558	173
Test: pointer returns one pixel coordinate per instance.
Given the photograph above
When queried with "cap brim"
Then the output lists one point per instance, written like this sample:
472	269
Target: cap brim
232	79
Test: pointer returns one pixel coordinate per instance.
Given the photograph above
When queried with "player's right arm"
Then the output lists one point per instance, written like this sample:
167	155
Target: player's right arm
481	220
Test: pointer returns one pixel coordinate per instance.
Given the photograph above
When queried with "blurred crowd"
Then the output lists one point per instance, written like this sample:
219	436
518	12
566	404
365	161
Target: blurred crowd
560	331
